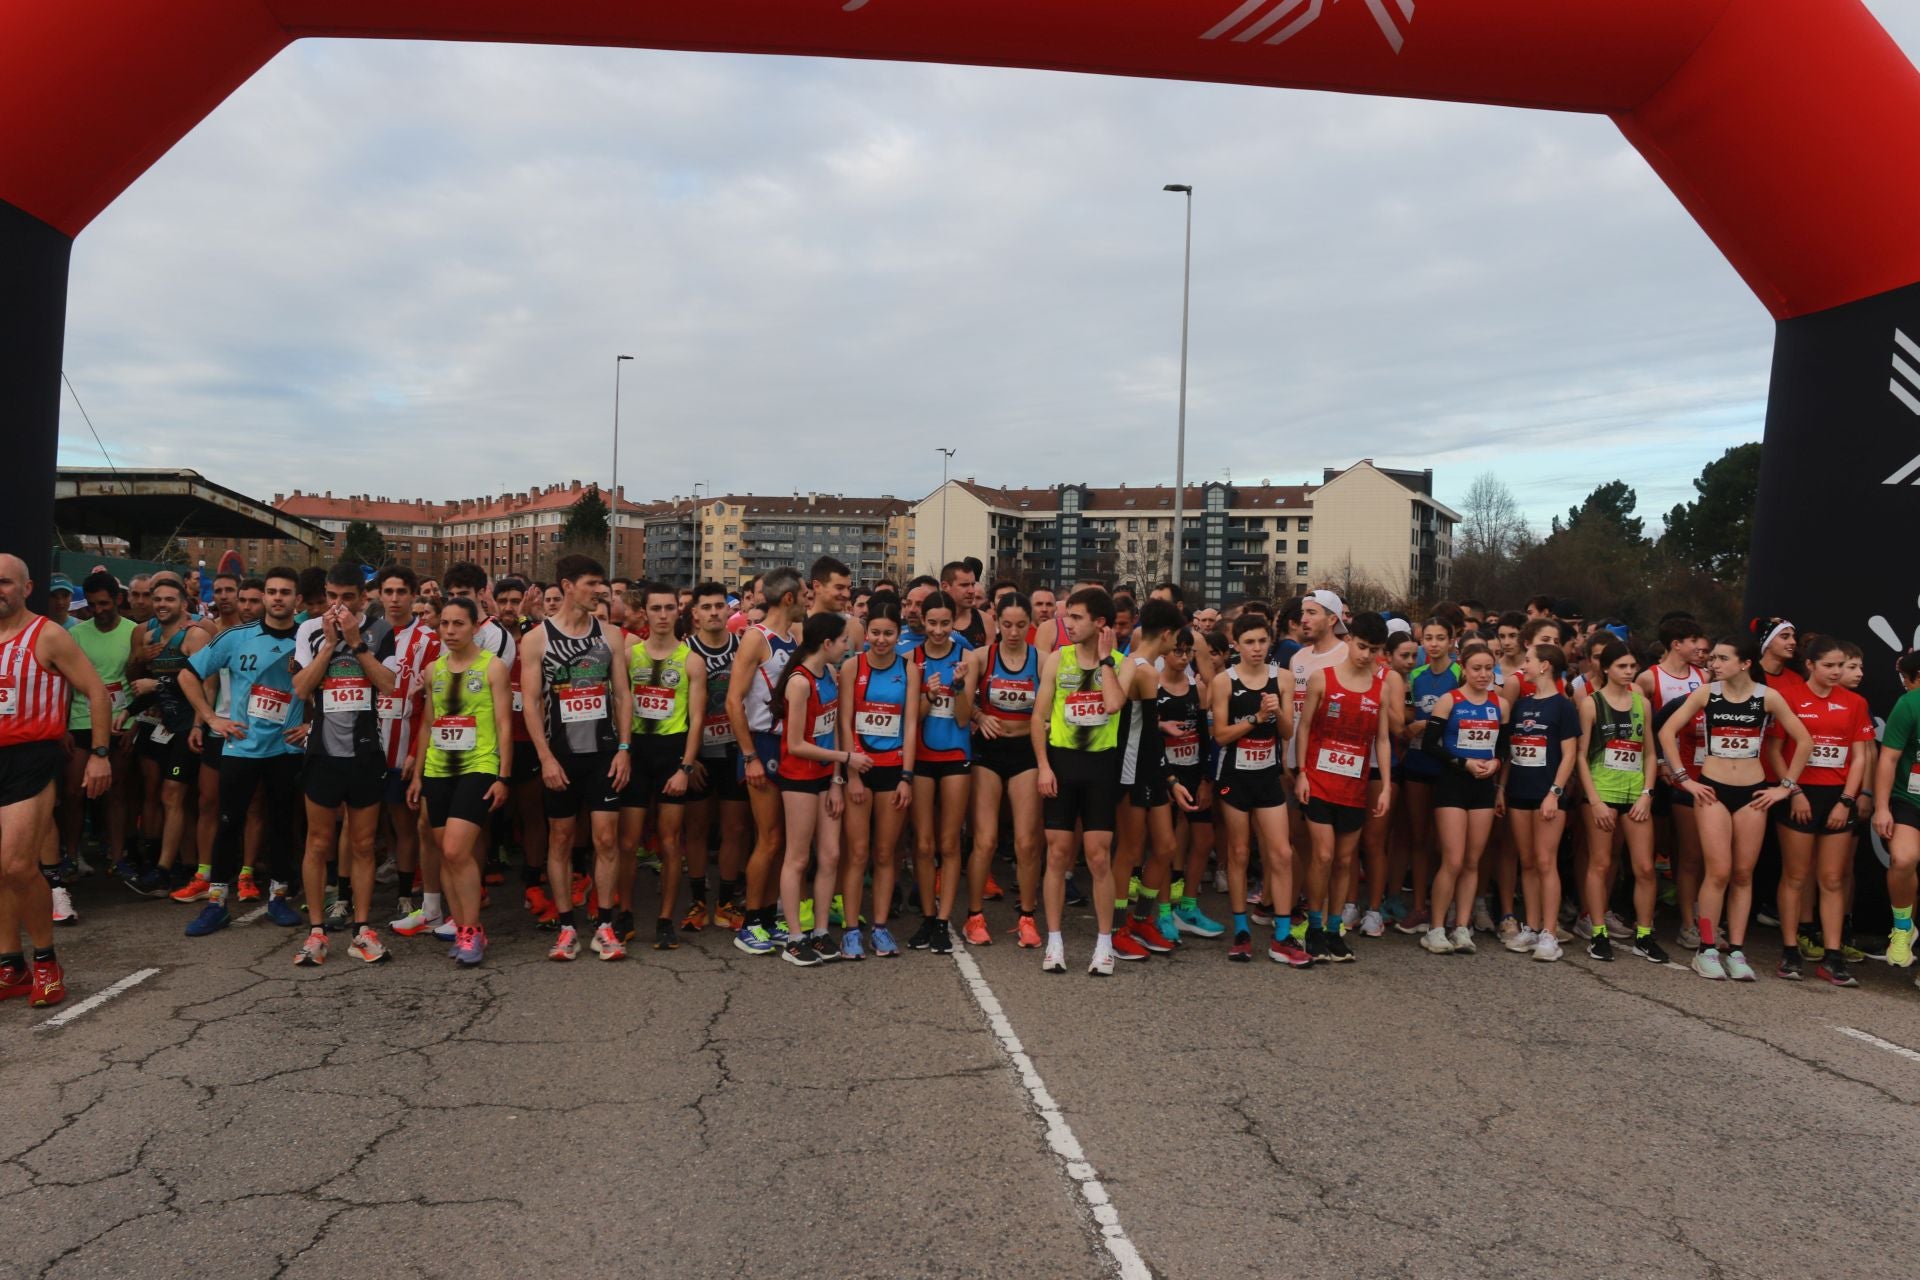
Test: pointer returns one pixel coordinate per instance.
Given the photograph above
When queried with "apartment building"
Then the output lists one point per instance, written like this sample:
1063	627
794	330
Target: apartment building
732	537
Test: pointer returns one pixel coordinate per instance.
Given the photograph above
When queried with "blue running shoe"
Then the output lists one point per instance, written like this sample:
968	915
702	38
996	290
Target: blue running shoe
1190	919
281	912
753	940
778	935
470	946
212	918
883	943
852	946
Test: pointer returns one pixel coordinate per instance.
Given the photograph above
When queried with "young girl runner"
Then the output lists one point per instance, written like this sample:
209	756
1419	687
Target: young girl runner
813	773
1007	676
1617	773
1462	734
1542	742
940	777
880	700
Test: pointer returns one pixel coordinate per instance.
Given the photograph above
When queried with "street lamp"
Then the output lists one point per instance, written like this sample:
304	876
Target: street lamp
1180	452
946	456
613	511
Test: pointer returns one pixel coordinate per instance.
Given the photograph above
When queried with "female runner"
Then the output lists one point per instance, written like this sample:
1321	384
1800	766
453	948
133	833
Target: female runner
1185	743
882	704
1896	808
1007	675
811	780
1462	736
940	774
1617	770
1383	841
1541	746
1247	724
1436	677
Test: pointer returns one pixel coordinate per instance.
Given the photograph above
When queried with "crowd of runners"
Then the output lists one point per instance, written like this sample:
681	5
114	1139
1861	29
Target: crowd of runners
798	762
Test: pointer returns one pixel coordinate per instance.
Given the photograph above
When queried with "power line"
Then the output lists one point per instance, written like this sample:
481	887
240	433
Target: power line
96	435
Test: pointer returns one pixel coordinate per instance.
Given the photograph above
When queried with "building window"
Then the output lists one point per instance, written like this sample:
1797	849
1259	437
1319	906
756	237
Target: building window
1280	546
1300	569
1303	523
1301	547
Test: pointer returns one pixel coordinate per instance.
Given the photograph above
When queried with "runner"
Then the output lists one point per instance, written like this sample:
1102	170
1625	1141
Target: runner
1731	794
1383	840
164	722
511	595
261	732
1667	684
1817	835
940	775
1617	769
206	744
1896	808
959	583
882	705
1341	725
581	726
1007	674
1075	736
1250	700
407	647
716	779
1542	745
813	777
1145	818
40	665
1188	749
107	639
335	662
669	711
468	581
462	766
1462	735
765	648
1437	676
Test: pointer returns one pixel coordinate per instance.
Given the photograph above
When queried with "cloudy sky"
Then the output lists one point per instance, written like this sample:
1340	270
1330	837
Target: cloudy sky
406	269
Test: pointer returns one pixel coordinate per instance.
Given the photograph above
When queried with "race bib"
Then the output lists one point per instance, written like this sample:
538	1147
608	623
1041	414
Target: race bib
118	693
940	706
347	695
1622	755
825	723
269	706
9	698
1016	698
518	706
160	736
1828	755
1528	752
877	722
717	733
1699	754
1734	744
1183	749
580	703
456	733
652	701
1086	710
391	706
1257	755
1479	735
1344	764
1913	780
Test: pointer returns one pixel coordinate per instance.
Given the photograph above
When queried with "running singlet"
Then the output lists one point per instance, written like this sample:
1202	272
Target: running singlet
1901	736
942	737
1835	722
461	735
256	668
1180	721
1010	695
576	681
407	653
1140	741
1424	688
108	651
33	698
1345	731
348	723
759	696
880	709
1303	663
1258	750
823	714
1617	752
170	715
660	691
1473	728
1539	728
1734	729
1080	719
1671	690
716	734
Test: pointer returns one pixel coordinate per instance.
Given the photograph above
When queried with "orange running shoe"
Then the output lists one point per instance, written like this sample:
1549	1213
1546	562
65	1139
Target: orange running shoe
49	984
493	875
247	890
194	890
975	931
696	918
540	905
1027	931
582	886
994	892
730	917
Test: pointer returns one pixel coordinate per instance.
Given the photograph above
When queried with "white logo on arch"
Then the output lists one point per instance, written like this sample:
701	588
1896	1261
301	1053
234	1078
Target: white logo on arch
1294	16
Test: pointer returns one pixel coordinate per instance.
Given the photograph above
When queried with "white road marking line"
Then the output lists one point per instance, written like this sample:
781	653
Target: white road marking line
99	998
1060	1138
251	916
1911	1055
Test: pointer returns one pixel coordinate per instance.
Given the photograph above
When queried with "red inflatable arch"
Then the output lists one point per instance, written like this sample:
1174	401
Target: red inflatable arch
1783	126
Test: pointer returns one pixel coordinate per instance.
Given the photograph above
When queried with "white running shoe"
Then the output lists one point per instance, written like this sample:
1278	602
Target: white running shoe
1482	916
446	930
1706	963
1737	967
1101	966
1372	925
63	912
1462	940
1435	941
1054	959
1547	948
1510	927
1350	917
1522	942
1220	880
1689	937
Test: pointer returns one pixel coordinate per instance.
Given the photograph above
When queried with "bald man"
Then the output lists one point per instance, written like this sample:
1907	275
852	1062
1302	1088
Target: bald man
39	665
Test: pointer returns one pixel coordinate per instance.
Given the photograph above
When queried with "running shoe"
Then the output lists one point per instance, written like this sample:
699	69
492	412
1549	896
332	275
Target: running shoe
623	925
730	917
1852	954
836	913
1583	927
1373	925
1055	958
1834	970
246	888
664	937
1435	942
281	912
1522	942
1133	888
1649	949
1258	911
1600	947
1240	951
1127	947
49	984
753	940
1737	967
15	980
1395	907
582	886
1289	952
1688	937
975	931
1219	880
1568	910
941	944
1482	916
1316	944
1462	940
1617	927
63	912
1765	918
993	891
194	890
446	930
1026	932
1706	963
492	875
1415	923
1810	951
824	946
1510	928
607	944
567	945
539	905
923	936
1190	919
313	951
1148	935
1101	966
852	945
806	915
1337	949
1169	927
339	915
1350	916
800	952
212	918
1788	970
366	945
1547	948
779	935
470	946
884	947
1075	898
696	918
387	872
1900	948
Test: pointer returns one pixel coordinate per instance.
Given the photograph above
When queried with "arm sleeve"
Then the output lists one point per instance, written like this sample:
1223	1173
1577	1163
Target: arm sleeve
1435	745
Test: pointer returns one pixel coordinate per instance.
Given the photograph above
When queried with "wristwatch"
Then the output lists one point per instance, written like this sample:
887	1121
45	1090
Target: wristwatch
687	769
362	647
1557	789
906	775
102	752
623	746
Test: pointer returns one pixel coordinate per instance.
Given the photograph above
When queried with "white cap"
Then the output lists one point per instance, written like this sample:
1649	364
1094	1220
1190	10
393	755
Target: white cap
1399	627
1331	603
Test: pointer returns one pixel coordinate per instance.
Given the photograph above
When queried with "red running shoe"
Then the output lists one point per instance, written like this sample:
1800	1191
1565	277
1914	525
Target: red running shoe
15	980
1290	953
1148	935
1126	947
993	890
49	984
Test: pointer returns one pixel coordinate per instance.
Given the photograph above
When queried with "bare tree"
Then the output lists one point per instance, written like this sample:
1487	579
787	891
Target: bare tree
1491	522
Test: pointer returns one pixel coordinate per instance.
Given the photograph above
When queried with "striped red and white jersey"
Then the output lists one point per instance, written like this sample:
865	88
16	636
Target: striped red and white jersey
33	699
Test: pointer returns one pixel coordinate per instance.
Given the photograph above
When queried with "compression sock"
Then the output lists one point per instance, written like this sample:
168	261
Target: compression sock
1706	931
1240	923
1147	905
1177	891
1282	927
1316	921
1903	918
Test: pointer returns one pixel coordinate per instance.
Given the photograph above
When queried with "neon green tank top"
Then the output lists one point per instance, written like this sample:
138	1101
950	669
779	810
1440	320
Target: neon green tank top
1616	755
460	728
659	691
1081	721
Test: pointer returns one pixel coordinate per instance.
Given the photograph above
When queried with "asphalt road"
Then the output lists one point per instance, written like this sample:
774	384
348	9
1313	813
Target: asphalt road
703	1113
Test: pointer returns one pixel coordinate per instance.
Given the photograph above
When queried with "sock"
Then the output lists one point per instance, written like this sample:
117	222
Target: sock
42	955
1189	904
1177	891
603	916
217	894
52	875
1240	925
1316	920
700	892
529	877
1102	943
204	870
1706	931
13	960
1282	926
819	933
279	888
1903	918
1642	931
246	871
358	925
430	904
1055	940
566	919
1121	904
1600	928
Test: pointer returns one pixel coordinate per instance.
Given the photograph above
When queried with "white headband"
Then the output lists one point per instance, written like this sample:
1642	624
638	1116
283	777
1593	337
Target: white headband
1782	625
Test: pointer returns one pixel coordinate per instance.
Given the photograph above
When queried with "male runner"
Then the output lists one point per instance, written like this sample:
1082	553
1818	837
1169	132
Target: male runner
469	581
960	582
765	648
140	598
108	641
669	711
164	742
1145	820
717	779
407	647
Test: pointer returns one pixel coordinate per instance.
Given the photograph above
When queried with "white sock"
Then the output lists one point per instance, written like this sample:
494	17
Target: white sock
1055	939
430	905
1102	943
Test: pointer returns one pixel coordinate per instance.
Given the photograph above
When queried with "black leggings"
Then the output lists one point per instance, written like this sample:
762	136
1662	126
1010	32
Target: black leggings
239	778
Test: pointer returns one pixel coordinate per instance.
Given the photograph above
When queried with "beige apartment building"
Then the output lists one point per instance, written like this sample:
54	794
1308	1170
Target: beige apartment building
732	537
